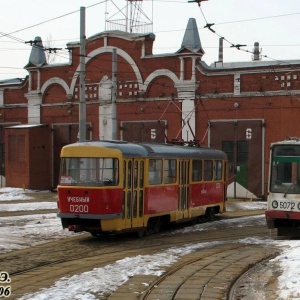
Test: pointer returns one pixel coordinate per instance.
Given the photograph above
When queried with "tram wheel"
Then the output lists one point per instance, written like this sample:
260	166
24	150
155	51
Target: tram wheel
141	233
153	225
211	214
194	221
201	219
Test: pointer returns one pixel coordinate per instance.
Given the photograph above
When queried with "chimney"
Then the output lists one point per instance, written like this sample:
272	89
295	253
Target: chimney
221	49
256	52
219	63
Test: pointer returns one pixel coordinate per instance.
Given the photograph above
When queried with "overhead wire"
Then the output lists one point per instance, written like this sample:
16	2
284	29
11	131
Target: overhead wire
52	19
238	47
9	35
101	2
208	26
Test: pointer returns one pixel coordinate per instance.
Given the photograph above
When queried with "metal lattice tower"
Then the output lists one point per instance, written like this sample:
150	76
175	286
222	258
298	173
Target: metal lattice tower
129	18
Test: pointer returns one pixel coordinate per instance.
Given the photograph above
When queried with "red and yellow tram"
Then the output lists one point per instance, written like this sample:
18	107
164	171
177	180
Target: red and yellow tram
116	186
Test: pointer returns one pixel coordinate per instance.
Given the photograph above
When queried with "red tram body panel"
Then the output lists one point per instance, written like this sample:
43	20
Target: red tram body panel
160	199
95	202
273	216
206	193
115	186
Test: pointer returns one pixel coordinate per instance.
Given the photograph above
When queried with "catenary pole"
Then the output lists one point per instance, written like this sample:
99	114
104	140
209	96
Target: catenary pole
82	102
114	96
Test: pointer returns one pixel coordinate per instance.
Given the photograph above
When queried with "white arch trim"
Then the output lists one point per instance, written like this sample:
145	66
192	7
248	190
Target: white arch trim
55	80
98	51
161	72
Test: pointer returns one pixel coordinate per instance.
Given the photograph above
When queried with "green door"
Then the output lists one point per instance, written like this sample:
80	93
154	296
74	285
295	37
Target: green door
242	175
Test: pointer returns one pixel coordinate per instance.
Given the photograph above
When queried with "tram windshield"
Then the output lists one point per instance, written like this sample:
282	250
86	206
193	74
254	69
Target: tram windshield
87	171
285	169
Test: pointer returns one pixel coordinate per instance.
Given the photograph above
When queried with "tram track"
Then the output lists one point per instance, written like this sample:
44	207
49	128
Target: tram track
149	244
105	245
40	266
151	290
99	252
208	273
187	279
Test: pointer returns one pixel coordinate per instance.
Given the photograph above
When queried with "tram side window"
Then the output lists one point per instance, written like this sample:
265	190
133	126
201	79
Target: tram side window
69	171
141	174
129	174
124	173
197	170
155	171
169	171
208	170
136	174
218	169
109	171
89	171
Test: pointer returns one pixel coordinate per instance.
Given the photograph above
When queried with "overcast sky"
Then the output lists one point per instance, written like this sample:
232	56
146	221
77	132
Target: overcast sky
272	23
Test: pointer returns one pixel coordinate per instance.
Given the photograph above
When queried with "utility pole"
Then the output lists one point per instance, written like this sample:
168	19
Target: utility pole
82	103
114	96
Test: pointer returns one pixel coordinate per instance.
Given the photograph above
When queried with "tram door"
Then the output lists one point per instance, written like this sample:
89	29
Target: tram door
133	193
183	205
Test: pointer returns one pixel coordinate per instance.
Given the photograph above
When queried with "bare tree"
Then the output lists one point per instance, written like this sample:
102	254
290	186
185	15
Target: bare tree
51	56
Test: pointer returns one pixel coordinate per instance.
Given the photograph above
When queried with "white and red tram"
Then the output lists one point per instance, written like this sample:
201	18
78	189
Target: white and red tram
283	204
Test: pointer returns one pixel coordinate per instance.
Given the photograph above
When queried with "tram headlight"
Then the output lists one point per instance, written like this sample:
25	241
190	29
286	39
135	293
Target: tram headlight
274	204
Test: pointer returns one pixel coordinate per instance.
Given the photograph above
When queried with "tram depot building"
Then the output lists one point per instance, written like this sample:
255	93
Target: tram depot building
239	108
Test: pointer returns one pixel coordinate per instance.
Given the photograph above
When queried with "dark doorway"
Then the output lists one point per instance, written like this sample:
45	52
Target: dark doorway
242	140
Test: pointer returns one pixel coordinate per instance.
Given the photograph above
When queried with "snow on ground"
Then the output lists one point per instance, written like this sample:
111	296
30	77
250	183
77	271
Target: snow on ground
289	262
247	205
27	206
19	232
8	194
22	231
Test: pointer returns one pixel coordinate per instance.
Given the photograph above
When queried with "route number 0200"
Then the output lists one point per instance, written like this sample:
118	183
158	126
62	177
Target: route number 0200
78	208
